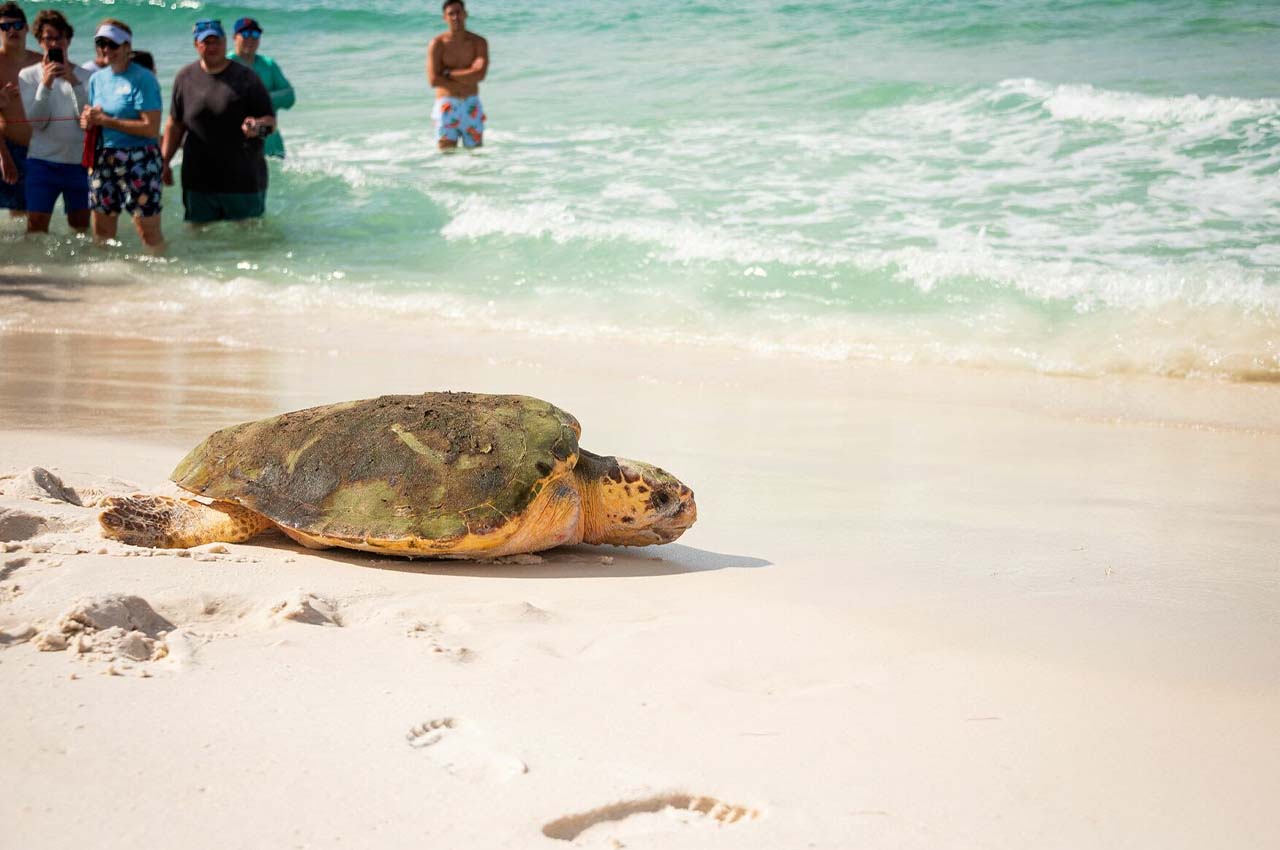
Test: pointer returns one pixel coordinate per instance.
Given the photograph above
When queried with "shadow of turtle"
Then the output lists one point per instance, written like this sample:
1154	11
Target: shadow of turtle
580	561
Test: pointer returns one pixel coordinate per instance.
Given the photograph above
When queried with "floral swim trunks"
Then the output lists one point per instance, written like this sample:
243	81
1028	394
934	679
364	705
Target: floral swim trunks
128	180
459	118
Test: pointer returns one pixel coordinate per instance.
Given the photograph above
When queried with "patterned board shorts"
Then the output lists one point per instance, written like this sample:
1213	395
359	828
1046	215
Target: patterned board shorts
459	118
127	180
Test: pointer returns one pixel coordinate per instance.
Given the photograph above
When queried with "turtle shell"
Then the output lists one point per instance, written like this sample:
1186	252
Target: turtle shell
430	467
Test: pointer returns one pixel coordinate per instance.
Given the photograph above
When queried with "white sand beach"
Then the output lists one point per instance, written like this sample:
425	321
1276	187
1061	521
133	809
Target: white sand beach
921	608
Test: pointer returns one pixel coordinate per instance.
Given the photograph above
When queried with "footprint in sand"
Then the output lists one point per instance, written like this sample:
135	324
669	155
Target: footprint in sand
459	748
678	808
433	634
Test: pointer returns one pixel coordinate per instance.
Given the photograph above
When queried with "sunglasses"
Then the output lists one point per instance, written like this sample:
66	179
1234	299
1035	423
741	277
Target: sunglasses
105	43
10	26
250	33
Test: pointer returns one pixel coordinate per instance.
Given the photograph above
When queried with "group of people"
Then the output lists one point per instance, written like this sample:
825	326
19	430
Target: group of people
91	134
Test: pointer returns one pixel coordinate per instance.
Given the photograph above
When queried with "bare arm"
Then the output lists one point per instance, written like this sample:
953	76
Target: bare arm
147	125
174	133
435	63
16	130
479	67
8	170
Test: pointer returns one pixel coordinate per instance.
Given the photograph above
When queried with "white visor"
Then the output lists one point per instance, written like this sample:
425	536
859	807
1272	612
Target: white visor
114	33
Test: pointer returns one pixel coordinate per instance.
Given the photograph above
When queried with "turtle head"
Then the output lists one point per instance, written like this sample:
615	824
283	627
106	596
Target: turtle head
630	503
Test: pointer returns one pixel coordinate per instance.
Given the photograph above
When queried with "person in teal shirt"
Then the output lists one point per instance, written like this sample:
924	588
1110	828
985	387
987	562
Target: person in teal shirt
248	35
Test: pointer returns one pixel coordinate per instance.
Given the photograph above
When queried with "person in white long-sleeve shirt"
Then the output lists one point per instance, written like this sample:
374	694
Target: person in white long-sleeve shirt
53	95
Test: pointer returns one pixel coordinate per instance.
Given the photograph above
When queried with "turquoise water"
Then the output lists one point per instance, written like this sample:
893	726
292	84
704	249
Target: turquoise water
1078	187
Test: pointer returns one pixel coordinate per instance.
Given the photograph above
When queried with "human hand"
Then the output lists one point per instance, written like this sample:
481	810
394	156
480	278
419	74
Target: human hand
258	128
8	94
166	174
93	116
52	70
8	169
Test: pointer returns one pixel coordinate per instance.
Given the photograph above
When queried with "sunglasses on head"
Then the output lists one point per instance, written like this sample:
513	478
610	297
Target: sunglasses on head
10	26
105	43
251	33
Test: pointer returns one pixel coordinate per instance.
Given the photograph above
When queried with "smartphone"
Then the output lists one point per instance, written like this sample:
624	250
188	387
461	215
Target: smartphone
56	55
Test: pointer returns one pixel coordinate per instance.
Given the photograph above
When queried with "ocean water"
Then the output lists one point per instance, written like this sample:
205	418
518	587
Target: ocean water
1087	187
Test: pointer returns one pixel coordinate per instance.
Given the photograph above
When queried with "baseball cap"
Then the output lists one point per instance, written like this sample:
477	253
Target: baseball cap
206	28
243	24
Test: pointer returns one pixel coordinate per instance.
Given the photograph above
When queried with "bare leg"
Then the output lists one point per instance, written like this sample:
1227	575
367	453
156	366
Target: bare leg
78	220
38	222
104	226
149	232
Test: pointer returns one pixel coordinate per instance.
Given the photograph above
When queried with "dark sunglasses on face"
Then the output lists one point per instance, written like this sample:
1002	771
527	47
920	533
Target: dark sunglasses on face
105	43
10	26
251	33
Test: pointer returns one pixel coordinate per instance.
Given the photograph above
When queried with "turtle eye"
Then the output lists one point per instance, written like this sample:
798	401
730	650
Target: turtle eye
662	497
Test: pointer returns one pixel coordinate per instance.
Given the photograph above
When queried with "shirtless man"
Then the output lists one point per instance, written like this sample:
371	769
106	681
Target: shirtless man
15	132
457	61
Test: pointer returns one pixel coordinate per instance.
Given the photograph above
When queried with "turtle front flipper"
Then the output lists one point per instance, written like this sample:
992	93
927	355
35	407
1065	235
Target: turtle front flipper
164	523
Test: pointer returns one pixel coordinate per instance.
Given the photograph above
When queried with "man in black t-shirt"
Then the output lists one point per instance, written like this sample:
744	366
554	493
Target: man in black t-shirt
219	114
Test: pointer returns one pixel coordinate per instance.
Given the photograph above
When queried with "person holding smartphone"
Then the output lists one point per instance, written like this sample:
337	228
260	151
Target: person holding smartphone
54	94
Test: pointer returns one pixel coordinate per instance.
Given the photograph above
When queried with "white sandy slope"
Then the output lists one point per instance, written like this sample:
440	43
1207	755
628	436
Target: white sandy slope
919	610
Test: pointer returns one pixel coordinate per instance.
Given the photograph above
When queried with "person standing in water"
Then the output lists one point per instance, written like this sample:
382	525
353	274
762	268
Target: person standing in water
457	61
54	93
248	36
218	116
15	132
124	107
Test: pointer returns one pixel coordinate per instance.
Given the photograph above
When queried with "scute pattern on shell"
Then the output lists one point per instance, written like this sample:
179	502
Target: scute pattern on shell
436	466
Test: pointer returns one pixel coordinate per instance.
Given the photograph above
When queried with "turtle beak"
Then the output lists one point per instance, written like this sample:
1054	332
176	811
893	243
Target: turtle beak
684	515
688	510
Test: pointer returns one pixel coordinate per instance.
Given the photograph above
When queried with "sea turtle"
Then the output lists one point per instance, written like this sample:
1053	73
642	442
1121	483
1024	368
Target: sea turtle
459	475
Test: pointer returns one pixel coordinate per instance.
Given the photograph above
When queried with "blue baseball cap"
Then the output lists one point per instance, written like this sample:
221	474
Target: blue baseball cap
205	29
243	24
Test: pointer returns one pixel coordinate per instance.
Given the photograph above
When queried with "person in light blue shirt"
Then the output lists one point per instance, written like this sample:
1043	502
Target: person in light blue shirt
124	107
248	35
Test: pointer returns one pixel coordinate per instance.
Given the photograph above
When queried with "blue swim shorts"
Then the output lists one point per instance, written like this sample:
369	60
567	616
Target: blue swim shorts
13	196
459	118
47	180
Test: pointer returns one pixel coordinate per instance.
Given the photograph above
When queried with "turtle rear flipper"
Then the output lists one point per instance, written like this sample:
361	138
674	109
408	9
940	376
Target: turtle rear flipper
165	523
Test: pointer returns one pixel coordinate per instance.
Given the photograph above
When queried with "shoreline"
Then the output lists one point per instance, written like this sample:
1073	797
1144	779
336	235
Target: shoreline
247	374
202	299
